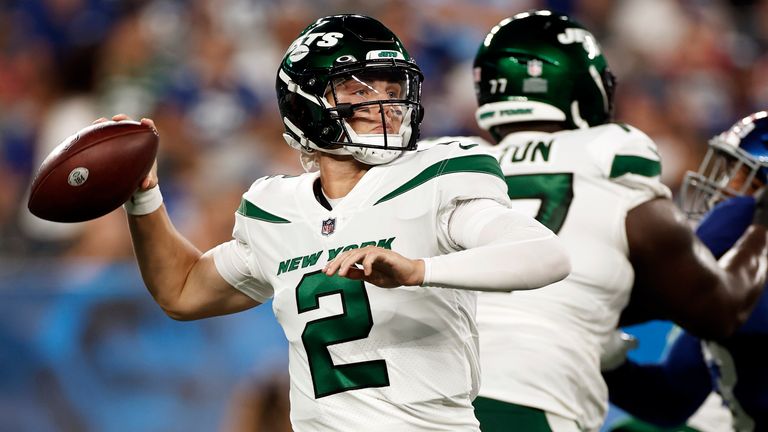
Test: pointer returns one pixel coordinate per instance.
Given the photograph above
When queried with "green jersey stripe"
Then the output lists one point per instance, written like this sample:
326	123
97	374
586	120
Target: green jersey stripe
248	209
495	415
634	165
484	164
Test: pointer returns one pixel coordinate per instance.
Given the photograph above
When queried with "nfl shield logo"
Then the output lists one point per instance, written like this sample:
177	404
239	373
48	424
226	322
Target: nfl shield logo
329	226
535	67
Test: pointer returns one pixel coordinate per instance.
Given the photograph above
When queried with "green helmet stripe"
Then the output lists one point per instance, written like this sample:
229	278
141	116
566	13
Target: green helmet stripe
599	83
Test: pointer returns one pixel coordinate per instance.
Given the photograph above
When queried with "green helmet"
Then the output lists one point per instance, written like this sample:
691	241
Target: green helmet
542	66
344	71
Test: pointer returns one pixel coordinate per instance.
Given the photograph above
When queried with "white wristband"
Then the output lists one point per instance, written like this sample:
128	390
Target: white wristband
427	271
144	202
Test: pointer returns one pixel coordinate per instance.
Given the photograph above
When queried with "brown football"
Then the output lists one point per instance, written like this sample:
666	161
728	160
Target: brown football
93	172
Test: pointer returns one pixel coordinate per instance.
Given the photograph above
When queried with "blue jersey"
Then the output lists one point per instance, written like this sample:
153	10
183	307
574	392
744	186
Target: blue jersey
719	230
668	393
739	364
665	393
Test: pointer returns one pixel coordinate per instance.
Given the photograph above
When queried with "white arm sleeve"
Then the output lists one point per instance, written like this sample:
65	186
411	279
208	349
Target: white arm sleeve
504	250
231	261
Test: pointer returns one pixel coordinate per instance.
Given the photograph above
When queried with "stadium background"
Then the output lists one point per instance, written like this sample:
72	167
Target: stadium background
82	346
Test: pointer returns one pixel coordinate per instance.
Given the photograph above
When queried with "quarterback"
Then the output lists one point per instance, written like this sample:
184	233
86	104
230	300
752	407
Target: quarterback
545	93
370	260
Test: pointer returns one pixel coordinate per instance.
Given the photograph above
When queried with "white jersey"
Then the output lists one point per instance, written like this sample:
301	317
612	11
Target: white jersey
541	348
364	358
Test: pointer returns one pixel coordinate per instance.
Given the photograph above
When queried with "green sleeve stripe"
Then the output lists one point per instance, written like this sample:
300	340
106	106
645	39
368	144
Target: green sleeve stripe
249	210
635	165
623	126
484	164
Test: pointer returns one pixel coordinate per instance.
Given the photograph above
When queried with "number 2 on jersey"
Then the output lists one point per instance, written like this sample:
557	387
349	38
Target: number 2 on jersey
554	190
353	324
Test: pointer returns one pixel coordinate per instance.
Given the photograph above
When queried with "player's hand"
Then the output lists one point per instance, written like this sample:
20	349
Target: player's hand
615	350
150	180
381	267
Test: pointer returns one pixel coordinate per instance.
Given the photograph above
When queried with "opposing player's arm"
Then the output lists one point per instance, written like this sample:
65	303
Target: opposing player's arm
677	278
667	393
182	280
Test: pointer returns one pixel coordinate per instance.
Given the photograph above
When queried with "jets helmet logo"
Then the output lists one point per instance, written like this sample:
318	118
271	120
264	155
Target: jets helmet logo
301	46
585	38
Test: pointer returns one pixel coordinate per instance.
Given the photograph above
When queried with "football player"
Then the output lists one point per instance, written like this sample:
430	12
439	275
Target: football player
667	394
545	94
325	246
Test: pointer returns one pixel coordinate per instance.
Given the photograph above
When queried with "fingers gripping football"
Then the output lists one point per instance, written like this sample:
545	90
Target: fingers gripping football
147	197
150	180
379	266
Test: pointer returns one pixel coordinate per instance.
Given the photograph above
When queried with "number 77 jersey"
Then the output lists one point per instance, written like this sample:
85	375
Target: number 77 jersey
541	348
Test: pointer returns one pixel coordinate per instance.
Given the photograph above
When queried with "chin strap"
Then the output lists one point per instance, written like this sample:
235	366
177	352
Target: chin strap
371	156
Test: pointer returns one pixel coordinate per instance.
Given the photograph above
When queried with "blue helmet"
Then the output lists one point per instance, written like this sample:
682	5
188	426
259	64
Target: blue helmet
736	164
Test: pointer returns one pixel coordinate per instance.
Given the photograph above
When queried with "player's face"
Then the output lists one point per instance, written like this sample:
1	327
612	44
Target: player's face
740	179
368	119
735	179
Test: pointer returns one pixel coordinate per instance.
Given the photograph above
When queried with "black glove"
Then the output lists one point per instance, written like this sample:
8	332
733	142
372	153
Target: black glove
760	217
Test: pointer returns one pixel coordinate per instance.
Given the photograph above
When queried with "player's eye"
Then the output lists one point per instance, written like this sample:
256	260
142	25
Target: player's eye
396	111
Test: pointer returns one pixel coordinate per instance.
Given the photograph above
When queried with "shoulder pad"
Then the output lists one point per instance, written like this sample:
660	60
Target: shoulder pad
265	199
465	140
272	184
434	150
627	156
621	149
449	157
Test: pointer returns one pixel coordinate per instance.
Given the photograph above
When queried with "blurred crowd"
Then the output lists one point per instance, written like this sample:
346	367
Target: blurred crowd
205	71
